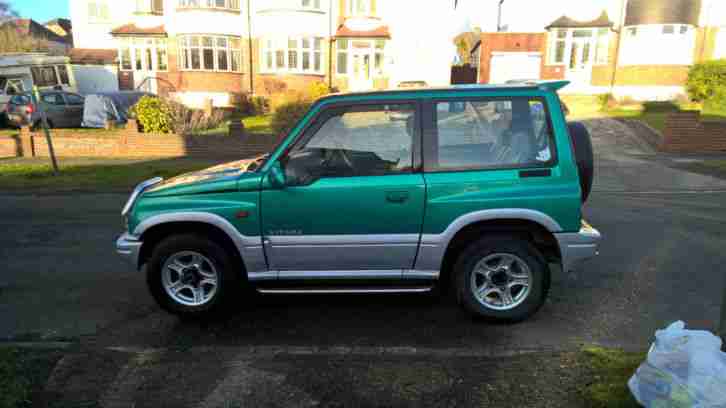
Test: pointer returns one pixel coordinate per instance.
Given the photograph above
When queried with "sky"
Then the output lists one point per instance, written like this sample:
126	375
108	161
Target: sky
41	10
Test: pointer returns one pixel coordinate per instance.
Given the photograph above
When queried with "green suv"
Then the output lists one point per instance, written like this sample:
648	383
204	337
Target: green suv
381	192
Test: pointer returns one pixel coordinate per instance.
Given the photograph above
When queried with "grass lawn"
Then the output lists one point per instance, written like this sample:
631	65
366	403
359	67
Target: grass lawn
610	370
655	116
258	124
253	124
90	174
23	372
9	132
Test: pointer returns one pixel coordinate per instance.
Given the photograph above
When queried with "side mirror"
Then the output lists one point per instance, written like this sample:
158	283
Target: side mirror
277	176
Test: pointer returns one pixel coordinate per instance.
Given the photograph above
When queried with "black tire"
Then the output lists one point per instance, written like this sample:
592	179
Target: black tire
229	281
582	145
502	244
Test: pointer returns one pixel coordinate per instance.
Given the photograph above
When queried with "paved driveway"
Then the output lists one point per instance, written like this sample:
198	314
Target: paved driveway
661	260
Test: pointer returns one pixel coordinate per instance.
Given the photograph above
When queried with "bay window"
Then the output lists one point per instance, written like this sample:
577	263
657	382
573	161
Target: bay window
232	5
210	53
150	6
576	46
297	55
143	54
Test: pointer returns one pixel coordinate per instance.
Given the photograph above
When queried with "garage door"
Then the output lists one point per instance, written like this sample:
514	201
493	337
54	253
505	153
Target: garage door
517	65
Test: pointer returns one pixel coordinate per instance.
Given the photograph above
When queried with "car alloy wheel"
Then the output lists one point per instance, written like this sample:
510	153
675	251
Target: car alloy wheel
501	281
190	278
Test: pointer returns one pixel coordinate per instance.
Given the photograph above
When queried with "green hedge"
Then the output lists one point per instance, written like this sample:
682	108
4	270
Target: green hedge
153	114
707	80
288	114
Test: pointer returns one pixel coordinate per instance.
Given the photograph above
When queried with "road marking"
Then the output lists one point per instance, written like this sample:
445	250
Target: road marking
402	351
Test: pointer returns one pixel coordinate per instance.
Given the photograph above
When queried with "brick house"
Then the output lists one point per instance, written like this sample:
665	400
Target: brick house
640	49
198	50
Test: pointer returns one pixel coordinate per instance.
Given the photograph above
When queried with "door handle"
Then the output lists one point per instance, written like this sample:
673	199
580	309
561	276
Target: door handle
396	196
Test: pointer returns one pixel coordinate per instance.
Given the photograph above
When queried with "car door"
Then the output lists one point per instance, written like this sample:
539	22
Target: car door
74	109
353	199
55	106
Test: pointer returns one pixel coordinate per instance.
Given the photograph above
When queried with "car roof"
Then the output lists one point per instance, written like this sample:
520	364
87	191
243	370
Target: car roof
524	85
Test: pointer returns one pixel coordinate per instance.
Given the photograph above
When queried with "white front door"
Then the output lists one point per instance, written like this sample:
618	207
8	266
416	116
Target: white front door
144	65
361	77
579	67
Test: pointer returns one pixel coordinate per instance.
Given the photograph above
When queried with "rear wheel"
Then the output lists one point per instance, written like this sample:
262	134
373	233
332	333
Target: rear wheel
502	278
192	276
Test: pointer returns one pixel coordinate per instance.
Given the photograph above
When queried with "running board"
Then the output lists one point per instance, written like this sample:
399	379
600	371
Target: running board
314	291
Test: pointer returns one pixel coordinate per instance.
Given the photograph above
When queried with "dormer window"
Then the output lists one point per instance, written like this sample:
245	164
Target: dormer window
150	6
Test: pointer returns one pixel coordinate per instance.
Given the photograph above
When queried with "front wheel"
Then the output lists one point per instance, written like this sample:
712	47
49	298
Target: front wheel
502	278
192	276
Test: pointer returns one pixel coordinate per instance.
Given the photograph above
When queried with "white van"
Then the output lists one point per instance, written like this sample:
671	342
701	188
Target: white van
20	72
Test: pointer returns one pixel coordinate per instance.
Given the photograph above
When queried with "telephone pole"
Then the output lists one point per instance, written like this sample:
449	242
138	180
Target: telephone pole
46	130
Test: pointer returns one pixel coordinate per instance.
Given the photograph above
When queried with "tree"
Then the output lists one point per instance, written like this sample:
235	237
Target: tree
6	12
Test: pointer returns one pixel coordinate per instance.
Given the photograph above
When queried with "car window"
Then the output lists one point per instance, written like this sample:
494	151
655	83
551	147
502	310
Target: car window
53	99
365	141
74	99
20	100
482	134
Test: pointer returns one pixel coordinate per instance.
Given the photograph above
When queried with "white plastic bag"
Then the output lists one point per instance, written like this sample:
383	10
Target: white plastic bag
684	368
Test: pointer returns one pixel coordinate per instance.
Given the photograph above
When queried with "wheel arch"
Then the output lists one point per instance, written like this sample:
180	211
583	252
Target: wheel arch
153	231
533	226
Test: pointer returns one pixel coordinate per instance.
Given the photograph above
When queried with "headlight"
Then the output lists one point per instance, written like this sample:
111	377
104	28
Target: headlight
137	192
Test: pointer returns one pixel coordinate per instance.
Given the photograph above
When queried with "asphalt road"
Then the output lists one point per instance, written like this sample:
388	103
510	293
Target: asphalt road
661	260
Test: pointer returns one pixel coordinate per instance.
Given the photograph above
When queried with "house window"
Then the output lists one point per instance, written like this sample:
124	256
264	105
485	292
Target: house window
297	55
98	12
232	5
603	44
557	46
63	74
44	77
210	53
150	6
632	31
143	54
359	7
310	4
343	56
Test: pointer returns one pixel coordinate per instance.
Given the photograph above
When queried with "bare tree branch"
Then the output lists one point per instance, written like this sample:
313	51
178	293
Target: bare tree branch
6	12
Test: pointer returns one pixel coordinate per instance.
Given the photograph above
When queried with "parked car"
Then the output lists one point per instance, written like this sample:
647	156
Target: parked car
63	109
481	186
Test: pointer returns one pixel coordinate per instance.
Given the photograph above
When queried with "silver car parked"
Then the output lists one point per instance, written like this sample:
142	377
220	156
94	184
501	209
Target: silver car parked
63	109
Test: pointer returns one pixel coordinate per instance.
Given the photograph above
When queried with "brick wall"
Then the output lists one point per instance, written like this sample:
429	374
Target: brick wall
686	133
129	142
652	75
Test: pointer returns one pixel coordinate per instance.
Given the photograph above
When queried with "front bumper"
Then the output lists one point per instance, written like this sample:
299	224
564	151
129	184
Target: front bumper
129	247
578	247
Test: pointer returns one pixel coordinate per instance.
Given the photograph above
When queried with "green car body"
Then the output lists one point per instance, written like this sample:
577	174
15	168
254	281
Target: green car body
390	229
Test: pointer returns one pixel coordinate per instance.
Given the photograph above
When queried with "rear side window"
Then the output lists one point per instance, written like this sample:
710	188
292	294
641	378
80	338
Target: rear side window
53	99
491	134
20	100
74	99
